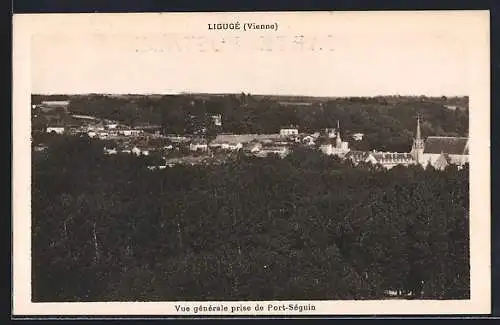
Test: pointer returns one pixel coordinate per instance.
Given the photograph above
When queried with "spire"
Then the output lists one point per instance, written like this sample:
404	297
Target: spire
339	139
418	128
418	144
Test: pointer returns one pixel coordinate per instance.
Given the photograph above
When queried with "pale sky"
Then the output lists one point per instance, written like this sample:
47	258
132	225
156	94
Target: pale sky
343	54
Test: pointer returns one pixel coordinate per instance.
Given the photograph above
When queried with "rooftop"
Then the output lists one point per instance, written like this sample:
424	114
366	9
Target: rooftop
449	145
244	138
385	156
357	154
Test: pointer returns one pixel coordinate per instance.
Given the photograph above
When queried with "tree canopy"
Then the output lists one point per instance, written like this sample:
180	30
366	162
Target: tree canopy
304	227
387	122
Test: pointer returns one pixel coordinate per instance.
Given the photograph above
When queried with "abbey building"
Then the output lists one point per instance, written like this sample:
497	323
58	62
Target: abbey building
435	151
440	151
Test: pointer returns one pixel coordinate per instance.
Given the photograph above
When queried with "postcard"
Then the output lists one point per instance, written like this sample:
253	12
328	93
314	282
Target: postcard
251	164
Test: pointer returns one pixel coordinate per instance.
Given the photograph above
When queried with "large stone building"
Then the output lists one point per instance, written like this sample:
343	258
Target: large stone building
435	151
389	160
454	149
440	151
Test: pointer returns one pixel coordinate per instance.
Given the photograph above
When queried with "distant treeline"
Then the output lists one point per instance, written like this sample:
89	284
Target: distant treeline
300	228
388	122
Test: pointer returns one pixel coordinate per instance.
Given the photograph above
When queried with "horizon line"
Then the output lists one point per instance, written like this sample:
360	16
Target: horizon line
242	92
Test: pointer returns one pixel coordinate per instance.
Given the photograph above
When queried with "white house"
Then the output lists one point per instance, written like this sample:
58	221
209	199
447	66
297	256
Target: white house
217	119
231	146
285	132
103	135
309	140
226	142
358	136
41	147
130	132
55	129
136	151
110	151
177	138
198	145
158	167
95	127
254	147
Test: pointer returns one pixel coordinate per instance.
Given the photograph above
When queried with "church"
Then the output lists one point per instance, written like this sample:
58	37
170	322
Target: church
436	151
338	147
440	151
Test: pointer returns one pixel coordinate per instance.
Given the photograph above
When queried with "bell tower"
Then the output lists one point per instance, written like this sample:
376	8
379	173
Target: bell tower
338	141
417	150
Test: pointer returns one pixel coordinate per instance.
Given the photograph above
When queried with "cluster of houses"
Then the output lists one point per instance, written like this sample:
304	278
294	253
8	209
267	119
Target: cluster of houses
100	128
436	151
257	144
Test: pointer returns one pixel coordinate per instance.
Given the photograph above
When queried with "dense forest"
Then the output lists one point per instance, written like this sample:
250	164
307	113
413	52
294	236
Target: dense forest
306	227
388	122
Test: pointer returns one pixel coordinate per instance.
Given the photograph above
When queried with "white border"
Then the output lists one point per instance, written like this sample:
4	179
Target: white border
477	35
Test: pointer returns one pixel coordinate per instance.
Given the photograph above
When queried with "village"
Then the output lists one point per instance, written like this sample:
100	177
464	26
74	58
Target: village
201	148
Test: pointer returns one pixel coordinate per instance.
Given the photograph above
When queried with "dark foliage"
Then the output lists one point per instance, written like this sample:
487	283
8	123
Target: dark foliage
303	227
388	122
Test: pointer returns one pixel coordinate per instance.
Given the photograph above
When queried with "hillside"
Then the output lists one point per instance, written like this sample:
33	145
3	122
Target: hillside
387	121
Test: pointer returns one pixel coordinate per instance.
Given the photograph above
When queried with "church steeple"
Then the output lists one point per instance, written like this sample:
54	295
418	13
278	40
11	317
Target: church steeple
417	150
418	129
339	139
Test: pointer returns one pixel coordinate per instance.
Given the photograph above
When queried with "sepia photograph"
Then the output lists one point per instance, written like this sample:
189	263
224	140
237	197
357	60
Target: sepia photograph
212	160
